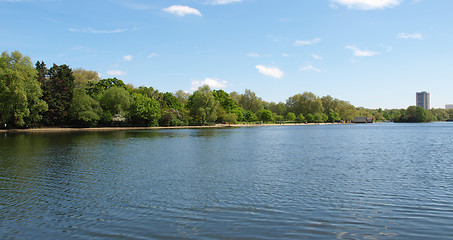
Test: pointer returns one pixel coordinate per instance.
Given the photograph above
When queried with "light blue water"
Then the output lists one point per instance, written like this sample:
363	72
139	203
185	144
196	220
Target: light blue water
375	181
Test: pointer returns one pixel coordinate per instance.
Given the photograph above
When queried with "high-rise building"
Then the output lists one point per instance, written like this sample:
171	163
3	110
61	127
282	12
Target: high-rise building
423	100
449	106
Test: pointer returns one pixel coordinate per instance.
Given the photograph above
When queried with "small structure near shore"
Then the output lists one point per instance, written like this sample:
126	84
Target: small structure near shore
363	120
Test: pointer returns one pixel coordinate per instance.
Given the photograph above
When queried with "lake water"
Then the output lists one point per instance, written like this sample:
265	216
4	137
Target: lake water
374	181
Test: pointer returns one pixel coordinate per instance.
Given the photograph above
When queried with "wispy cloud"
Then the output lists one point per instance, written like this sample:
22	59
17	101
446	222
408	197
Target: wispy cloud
152	55
181	11
316	56
410	36
285	55
366	4
274	72
362	53
95	31
253	55
223	2
116	73
309	67
306	42
211	82
127	58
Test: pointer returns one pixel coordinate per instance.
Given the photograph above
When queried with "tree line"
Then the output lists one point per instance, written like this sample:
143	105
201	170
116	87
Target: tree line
36	96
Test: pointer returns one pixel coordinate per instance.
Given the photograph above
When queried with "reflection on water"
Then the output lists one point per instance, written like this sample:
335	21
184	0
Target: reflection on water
380	181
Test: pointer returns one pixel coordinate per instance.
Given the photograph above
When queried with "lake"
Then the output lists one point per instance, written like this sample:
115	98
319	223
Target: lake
371	181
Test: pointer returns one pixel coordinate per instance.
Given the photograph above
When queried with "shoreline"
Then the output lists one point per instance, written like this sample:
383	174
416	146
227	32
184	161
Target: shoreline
107	129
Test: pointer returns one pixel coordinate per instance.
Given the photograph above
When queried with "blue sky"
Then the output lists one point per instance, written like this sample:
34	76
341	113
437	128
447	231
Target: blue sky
373	53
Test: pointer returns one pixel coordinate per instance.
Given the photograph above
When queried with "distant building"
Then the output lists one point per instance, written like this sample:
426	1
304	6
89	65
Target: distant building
422	100
449	106
363	120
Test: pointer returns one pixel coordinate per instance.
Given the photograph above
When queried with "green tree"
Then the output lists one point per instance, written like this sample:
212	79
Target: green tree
230	118
414	114
249	101
144	111
304	103
249	116
85	111
20	91
309	118
290	116
84	78
98	88
202	106
115	102
300	118
58	89
333	117
265	115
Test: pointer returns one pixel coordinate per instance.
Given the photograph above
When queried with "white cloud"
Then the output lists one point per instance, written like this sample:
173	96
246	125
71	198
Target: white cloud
211	82
254	55
285	55
362	53
222	2
307	42
95	31
181	11
116	73
128	58
309	67
410	36
316	56
152	55
274	72
366	4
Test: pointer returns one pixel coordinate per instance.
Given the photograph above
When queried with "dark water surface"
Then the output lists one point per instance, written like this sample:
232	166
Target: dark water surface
375	181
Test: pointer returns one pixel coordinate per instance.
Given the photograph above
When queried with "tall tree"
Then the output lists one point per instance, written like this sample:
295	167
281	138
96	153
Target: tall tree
58	90
249	101
83	78
144	111
20	91
202	106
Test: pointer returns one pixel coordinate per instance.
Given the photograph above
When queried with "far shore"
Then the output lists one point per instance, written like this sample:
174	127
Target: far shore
105	129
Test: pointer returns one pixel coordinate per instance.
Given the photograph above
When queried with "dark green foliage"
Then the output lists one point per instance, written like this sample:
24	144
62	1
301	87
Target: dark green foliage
413	114
265	115
144	111
98	88
115	102
85	111
58	89
171	101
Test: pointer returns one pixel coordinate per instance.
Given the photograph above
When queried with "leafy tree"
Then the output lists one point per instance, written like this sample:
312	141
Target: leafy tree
290	116
278	108
310	118
58	89
333	117
171	101
20	91
304	103
85	111
172	117
249	101
265	115
249	116
230	118
144	111
115	101
413	114
227	103
182	96
202	106
300	118
97	89
83	78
